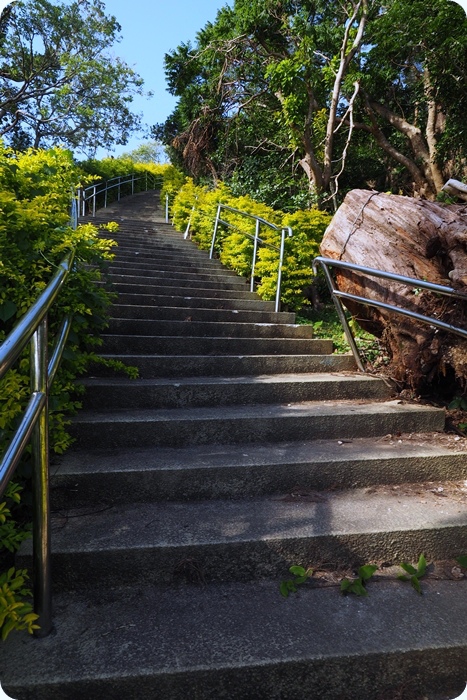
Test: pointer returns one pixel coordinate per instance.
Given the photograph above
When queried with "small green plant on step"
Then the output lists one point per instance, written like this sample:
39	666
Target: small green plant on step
300	576
357	586
415	574
462	561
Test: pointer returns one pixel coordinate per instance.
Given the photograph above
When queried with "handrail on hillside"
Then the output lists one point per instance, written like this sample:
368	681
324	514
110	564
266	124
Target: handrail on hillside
90	193
32	328
284	231
337	295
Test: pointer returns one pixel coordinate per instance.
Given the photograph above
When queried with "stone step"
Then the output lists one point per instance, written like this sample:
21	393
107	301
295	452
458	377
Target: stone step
184	254
247	304
252	539
170	291
175	273
258	423
204	329
232	365
162	280
173	313
120	393
166	345
222	641
148	257
211	472
177	268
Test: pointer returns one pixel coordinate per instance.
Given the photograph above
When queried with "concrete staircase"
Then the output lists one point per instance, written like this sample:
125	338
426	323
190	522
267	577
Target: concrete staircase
244	447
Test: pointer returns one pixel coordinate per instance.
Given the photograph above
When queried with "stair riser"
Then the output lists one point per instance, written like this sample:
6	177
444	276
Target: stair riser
145	327
221	562
197	282
167	290
175	273
341	678
171	256
181	267
227	394
149	254
198	303
183	433
195	314
234	482
205	366
129	344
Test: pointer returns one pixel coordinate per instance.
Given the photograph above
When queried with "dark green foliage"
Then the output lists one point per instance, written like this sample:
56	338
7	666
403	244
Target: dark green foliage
414	573
357	586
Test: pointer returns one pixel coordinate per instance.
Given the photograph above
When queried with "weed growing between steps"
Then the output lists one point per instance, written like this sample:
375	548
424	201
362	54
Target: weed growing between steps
357	584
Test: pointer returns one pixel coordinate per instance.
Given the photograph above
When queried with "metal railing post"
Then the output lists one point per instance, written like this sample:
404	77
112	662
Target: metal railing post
119	183
255	250
166	208
105	198
94	200
279	271
342	317
41	506
216	224
132	184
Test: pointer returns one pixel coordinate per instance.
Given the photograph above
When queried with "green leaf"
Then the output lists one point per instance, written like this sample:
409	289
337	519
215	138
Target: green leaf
366	572
297	571
416	584
7	310
358	588
462	561
345	585
284	589
401	577
421	568
409	568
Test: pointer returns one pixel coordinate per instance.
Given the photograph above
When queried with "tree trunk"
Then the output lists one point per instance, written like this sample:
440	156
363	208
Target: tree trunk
415	238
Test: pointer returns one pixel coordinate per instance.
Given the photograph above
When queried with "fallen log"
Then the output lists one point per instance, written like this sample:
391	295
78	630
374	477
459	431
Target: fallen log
414	238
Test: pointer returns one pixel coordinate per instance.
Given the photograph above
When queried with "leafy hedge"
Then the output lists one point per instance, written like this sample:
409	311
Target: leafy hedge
198	205
35	235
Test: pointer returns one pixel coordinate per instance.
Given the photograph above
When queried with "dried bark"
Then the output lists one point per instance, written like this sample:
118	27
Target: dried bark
415	238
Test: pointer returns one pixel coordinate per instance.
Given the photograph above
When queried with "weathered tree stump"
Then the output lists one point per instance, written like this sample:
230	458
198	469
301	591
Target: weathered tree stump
415	238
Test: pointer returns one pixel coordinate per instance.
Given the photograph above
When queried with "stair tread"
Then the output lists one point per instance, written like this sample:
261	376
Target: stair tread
311	408
276	519
114	636
309	378
376	450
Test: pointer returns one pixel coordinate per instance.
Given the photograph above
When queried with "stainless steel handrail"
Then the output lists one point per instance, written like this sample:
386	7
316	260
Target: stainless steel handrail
32	328
285	230
91	192
337	295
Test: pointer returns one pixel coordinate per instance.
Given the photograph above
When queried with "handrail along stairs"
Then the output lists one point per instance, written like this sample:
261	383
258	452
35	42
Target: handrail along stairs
337	295
284	231
91	193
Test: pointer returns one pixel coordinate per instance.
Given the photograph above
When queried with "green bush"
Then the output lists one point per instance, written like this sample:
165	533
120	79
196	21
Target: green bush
35	235
235	249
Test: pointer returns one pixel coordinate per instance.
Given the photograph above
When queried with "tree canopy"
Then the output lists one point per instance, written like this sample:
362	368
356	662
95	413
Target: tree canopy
59	81
323	95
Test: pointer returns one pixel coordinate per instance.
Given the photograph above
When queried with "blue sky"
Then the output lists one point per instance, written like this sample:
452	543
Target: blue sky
150	28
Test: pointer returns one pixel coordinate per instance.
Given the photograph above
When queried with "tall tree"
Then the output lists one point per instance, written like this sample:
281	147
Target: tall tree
414	90
59	82
279	71
315	82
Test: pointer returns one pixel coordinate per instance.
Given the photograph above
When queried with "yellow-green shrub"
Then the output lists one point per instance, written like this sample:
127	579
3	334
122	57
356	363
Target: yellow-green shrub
235	249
